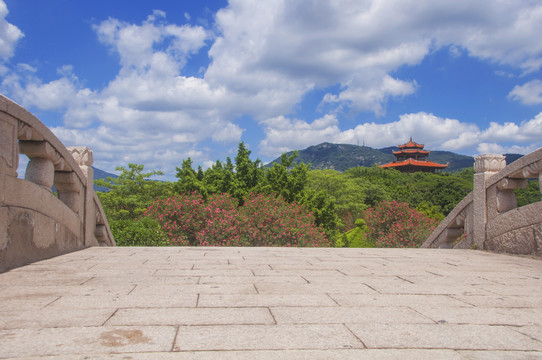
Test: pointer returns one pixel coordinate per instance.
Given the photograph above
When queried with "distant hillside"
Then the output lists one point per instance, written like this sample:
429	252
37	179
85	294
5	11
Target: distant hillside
100	174
339	157
342	157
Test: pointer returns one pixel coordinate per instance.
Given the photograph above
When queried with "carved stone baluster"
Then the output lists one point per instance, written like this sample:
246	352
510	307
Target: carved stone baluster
506	197
534	171
485	166
69	189
43	159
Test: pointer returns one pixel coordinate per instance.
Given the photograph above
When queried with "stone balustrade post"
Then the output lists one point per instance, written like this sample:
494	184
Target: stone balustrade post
43	160
485	166
84	158
69	188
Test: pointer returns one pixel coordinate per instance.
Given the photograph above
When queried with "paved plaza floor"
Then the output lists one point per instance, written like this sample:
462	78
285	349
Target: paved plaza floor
273	303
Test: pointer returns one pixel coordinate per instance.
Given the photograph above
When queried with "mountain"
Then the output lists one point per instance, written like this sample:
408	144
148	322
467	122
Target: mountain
100	174
339	157
342	157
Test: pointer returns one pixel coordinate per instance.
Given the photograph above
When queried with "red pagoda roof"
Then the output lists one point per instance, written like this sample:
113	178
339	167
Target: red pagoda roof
412	151
411	144
414	163
412	157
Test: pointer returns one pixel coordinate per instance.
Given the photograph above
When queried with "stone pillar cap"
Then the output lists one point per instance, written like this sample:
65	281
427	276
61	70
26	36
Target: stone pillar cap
489	163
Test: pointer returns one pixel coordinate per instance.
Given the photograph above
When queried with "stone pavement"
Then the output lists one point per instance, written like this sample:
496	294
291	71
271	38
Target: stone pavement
273	303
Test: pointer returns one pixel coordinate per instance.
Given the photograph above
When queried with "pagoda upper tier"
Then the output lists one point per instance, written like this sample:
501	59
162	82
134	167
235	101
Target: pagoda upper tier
411	157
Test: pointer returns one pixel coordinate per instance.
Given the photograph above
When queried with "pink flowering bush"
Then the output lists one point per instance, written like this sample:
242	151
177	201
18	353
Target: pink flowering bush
271	221
264	220
393	224
221	222
181	217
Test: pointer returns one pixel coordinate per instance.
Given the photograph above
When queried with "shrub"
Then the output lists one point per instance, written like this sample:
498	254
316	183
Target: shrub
263	220
221	222
271	221
356	237
393	224
142	232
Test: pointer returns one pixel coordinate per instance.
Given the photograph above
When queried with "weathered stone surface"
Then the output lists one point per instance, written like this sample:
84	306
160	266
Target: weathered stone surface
55	225
497	224
443	336
500	355
47	318
265	337
192	316
3	227
112	303
342	315
521	241
339	354
19	343
265	300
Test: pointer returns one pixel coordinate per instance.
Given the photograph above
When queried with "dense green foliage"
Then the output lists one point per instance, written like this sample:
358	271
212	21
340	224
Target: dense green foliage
334	200
356	237
141	232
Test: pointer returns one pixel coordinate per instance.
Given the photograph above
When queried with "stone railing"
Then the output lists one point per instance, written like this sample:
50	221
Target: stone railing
488	218
34	223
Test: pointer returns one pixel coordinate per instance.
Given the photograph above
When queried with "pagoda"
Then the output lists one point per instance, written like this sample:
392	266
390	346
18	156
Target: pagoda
411	157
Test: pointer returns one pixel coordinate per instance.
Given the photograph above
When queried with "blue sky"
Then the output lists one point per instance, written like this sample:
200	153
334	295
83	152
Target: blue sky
155	82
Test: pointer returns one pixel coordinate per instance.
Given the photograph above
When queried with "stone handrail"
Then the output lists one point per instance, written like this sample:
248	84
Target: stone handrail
34	223
488	218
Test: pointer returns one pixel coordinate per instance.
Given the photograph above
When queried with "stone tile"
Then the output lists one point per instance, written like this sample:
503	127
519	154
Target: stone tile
443	336
329	288
534	332
53	318
396	300
474	315
504	290
350	315
394	285
265	300
192	316
42	278
77	340
204	272
124	301
343	354
304	273
172	290
219	279
21	303
501	355
168	280
12	292
264	337
511	301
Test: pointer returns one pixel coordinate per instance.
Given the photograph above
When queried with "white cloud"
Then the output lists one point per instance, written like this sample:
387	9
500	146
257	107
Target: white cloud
526	131
529	93
9	34
265	57
283	134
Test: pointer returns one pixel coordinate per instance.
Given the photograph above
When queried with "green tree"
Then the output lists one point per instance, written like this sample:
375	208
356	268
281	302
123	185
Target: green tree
189	180
286	178
129	195
127	198
530	194
248	174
